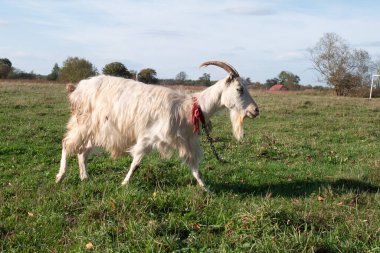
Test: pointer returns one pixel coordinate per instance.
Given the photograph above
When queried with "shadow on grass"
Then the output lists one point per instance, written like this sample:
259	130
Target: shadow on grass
296	188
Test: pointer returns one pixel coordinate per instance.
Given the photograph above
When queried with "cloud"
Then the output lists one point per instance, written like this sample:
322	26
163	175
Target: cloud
290	55
251	11
3	22
238	48
369	44
39	23
162	33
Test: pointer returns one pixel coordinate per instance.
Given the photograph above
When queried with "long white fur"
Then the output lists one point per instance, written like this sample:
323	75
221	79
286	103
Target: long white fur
126	116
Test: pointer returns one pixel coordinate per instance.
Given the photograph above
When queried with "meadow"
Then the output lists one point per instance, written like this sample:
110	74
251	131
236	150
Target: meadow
305	179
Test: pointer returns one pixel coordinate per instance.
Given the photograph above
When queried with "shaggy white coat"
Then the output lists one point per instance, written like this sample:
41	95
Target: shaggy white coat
126	116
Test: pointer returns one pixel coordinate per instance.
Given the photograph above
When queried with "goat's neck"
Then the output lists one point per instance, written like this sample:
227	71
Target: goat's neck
210	99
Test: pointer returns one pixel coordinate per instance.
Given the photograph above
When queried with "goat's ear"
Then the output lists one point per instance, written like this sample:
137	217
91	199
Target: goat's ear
230	78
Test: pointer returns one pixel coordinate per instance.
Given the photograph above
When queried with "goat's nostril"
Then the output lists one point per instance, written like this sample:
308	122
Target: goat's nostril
257	110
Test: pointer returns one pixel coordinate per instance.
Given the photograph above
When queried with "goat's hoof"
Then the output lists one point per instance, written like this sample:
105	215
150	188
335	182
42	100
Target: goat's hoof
82	178
58	178
206	189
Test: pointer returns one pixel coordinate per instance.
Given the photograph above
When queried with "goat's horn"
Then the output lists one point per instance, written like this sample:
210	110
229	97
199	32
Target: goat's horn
227	67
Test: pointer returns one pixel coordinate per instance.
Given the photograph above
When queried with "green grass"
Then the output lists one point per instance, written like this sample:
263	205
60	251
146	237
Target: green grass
305	179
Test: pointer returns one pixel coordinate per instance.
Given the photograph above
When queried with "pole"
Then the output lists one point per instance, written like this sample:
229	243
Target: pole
370	93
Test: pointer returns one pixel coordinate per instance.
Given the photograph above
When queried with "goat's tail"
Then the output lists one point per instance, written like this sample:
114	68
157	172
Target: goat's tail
76	137
70	87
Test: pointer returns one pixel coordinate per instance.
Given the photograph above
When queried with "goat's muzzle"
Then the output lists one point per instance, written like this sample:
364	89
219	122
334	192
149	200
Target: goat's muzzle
253	113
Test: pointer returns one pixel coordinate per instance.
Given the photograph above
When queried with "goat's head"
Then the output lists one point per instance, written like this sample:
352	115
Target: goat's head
235	96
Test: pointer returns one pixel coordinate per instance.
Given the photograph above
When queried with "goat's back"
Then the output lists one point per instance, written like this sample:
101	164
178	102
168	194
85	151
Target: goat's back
115	111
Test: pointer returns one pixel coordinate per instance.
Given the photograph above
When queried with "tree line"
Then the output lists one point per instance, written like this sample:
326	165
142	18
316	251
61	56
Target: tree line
75	69
346	70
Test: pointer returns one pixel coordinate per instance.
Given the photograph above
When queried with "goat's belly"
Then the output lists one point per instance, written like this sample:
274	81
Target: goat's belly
112	140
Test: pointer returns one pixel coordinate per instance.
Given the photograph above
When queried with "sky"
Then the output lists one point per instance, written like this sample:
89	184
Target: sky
259	38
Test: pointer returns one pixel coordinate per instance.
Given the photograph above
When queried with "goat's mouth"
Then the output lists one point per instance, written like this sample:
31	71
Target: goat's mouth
251	115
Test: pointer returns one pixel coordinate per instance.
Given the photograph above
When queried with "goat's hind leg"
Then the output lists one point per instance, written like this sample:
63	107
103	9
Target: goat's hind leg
75	140
63	165
82	161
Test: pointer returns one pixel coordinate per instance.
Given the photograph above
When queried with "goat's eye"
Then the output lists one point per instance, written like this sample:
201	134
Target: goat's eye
240	90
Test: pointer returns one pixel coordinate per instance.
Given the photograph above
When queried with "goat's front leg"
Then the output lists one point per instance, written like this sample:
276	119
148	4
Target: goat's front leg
197	175
138	151
192	157
134	166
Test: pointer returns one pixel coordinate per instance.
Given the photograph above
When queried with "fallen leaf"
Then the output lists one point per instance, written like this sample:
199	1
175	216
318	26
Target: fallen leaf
113	205
320	198
30	214
89	246
355	200
152	222
295	201
196	226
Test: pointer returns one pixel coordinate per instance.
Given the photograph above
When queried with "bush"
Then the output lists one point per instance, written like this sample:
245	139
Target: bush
53	76
5	67
363	92
75	69
19	74
147	75
116	69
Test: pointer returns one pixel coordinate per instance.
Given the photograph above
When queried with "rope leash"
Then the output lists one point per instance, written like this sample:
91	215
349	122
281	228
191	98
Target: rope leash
210	140
198	118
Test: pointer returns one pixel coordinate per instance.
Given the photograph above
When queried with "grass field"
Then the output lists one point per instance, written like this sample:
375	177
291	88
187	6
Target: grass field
305	179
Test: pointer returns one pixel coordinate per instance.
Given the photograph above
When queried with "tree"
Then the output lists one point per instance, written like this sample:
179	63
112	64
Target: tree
75	69
289	80
147	75
116	69
53	76
181	76
5	67
270	82
340	67
376	67
205	79
363	66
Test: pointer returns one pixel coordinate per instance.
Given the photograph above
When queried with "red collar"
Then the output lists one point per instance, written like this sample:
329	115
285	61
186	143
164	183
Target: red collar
197	117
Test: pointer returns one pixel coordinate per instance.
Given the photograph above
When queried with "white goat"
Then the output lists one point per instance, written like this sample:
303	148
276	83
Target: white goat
126	116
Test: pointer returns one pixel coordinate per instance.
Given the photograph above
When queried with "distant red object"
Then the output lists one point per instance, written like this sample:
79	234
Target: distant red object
277	87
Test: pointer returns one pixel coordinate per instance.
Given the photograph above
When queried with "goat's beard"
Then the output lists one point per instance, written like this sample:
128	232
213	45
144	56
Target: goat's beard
237	124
